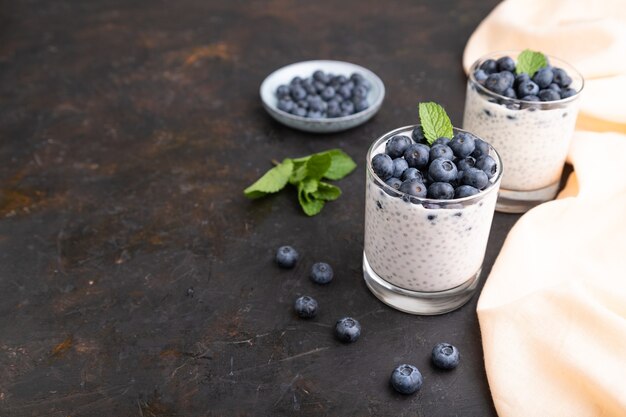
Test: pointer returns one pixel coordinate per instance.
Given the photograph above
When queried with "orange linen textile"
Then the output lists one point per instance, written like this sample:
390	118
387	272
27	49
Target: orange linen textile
553	310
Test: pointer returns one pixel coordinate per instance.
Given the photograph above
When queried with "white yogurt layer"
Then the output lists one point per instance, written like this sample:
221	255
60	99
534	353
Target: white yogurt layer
422	249
532	143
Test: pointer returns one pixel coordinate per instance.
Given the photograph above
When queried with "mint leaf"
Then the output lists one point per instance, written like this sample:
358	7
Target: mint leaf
327	192
307	188
317	165
435	122
299	172
310	205
272	181
340	165
530	62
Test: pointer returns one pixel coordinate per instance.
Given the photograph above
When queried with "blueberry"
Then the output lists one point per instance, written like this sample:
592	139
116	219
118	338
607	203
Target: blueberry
333	109
464	163
555	87
480	76
297	92
364	83
356	78
305	307
414	187
561	77
347	330
509	76
318	105
321	273
543	77
383	166
462	144
396	146
303	103
527	88
337	98
345	91
406	379
359	91
347	107
465	191
309	87
442	169
567	92
299	111
394	183
286	257
319	86
412	173
445	356
285	105
441	141
327	93
531	97
475	177
341	79
498	83
440	191
282	91
399	166
549	95
417	155
520	78
314	114
440	151
488	165
295	81
321	76
418	135
489	66
510	93
506	63
482	148
360	105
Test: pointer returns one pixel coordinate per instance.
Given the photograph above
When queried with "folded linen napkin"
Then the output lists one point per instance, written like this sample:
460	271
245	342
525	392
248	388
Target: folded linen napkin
553	310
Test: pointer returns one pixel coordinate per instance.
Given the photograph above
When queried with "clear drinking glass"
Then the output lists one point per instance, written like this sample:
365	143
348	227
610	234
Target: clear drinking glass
532	138
424	256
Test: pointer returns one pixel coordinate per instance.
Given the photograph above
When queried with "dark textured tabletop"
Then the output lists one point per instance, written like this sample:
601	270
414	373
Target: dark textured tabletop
135	277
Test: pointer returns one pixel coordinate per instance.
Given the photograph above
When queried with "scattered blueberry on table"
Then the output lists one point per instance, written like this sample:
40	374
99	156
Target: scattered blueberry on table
286	257
445	356
324	95
347	330
406	379
321	273
306	307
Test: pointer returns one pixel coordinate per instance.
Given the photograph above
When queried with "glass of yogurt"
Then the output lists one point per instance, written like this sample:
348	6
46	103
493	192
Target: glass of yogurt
532	137
423	255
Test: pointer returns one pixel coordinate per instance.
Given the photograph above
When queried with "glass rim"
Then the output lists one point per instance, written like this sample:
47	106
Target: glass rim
424	200
551	59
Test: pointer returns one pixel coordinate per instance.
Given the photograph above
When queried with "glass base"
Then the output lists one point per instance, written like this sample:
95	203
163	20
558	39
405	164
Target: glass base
417	302
510	201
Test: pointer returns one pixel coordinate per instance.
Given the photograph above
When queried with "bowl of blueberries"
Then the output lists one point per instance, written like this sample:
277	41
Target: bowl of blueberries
322	96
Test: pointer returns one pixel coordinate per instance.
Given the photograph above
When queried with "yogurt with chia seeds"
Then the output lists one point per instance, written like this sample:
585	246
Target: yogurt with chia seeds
533	141
425	245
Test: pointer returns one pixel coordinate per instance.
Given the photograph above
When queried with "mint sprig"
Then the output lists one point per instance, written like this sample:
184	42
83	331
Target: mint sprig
306	175
530	62
435	122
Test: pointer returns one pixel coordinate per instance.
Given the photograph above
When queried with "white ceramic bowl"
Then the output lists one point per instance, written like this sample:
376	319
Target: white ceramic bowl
305	69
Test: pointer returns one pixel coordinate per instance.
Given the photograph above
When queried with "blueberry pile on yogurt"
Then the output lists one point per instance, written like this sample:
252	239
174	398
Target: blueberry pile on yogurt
324	95
450	168
546	84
